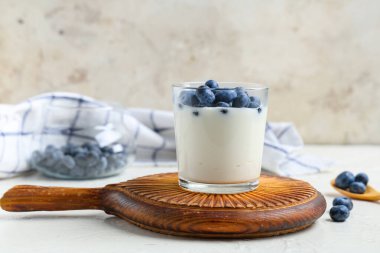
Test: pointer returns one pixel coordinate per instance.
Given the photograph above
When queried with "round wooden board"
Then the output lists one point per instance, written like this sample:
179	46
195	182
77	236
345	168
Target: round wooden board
278	206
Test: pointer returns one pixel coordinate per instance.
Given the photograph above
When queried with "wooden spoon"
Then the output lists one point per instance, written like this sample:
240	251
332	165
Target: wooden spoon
369	195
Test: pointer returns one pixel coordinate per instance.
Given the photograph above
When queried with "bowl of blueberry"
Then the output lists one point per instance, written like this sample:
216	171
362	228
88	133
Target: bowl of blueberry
82	143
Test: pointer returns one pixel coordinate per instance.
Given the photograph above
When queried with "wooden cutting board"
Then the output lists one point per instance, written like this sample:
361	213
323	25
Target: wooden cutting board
155	202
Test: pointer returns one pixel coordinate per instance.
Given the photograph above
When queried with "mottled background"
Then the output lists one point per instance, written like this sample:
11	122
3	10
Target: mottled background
321	59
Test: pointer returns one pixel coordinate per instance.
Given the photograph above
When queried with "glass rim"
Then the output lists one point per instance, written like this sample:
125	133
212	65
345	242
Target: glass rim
246	85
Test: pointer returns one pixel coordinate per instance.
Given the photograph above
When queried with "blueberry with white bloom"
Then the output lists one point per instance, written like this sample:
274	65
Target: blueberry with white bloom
186	97
205	95
240	91
343	201
212	84
344	179
254	102
241	101
362	177
226	95
339	213
68	162
357	187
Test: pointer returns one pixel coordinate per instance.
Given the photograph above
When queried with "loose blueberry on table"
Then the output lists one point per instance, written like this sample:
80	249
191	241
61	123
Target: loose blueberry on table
211	95
343	201
339	213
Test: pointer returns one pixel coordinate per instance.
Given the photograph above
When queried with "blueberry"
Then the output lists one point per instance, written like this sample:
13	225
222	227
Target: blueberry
102	165
196	113
259	109
212	84
195	102
241	101
68	162
205	95
186	97
357	187
225	96
81	160
222	104
362	177
92	158
36	157
254	102
339	213
107	150
49	148
51	157
68	149
78	150
343	201
344	179
240	91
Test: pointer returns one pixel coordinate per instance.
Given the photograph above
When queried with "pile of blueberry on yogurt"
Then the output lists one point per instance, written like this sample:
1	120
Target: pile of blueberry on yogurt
85	161
211	95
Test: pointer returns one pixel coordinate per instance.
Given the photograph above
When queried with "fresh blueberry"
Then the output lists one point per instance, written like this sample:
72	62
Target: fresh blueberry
49	148
68	149
186	97
195	102
222	104
357	187
343	201
92	158
81	160
241	101
259	109
240	91
36	157
102	164
196	113
362	177
344	179
225	95
68	162
78	150
107	150
254	102
212	84
339	213
205	95
51	157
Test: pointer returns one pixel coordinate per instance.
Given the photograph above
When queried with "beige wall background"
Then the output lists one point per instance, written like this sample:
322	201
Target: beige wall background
321	59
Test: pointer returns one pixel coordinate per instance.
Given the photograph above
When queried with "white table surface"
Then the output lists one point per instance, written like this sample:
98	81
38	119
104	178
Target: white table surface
95	231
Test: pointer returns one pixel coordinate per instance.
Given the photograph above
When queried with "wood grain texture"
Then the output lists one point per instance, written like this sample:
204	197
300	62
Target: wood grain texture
28	198
278	206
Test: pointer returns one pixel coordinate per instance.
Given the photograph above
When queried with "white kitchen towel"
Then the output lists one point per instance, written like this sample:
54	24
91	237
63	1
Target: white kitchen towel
152	132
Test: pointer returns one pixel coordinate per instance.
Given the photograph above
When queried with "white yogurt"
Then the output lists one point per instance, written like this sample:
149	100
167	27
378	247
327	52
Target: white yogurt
219	148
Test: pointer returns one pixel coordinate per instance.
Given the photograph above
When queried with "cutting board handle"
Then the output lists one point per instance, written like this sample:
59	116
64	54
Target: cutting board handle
27	198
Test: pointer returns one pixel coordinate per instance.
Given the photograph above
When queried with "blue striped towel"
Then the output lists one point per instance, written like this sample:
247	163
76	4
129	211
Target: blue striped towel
152	130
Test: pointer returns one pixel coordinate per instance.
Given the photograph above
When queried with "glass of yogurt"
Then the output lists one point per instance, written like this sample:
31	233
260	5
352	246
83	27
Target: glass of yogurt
219	130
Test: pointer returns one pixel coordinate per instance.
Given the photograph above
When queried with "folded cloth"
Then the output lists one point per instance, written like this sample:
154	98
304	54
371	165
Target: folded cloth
152	131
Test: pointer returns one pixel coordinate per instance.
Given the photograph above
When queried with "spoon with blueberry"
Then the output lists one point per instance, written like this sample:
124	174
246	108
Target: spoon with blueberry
355	187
